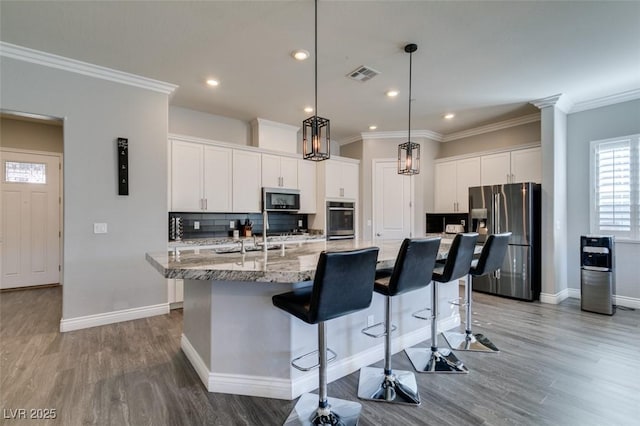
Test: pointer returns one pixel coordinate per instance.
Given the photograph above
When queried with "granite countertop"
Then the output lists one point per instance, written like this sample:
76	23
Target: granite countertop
285	264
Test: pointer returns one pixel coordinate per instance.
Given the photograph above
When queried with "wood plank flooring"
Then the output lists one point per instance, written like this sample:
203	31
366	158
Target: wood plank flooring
557	366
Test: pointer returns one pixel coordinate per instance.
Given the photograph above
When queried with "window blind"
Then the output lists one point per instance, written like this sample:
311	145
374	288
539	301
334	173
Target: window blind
616	187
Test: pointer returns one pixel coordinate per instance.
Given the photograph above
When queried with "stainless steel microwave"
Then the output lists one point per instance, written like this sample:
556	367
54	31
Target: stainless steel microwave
280	199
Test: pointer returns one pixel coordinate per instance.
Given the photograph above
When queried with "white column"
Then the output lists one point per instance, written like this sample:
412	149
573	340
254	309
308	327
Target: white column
554	197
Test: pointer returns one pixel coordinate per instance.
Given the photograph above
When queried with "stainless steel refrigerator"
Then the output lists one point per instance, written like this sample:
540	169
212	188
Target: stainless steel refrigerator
514	208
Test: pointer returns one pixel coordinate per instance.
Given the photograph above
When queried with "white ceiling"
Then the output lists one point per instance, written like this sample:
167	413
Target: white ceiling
483	61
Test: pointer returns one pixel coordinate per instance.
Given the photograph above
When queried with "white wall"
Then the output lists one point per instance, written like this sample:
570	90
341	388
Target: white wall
524	134
107	272
583	127
189	122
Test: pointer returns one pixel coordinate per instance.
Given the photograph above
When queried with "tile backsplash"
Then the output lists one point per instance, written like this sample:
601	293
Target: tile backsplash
217	224
437	221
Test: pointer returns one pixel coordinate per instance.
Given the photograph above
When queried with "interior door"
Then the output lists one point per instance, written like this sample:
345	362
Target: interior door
30	219
392	202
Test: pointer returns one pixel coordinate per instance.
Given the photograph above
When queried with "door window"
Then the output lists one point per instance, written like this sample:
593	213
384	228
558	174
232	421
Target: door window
19	172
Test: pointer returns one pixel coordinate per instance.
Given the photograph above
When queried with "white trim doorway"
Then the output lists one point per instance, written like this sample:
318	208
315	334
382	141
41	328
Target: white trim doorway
392	211
31	253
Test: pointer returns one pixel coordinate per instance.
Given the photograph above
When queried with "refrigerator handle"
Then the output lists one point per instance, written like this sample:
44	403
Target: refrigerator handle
496	213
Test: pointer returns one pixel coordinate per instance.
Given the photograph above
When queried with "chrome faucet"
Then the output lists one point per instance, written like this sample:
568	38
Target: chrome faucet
242	249
265	226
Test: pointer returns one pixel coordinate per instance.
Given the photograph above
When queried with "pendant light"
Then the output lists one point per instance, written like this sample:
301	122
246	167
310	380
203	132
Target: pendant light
316	136
409	152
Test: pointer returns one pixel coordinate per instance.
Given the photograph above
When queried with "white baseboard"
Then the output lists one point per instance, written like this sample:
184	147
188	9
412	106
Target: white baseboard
629	302
554	299
274	387
88	321
574	293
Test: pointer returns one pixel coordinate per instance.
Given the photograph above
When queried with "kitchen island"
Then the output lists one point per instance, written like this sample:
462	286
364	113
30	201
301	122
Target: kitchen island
239	343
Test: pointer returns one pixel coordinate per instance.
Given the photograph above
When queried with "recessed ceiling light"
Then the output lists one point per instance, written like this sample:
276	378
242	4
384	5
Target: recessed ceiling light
449	116
373	127
308	109
300	54
392	93
212	82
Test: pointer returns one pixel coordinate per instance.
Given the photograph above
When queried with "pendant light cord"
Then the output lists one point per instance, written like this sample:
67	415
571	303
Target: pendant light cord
410	67
316	62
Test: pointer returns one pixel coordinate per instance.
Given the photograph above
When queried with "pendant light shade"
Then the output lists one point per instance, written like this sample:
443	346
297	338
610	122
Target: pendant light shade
316	134
409	152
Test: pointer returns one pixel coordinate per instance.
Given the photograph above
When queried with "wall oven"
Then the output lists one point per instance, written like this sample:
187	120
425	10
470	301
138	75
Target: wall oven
340	220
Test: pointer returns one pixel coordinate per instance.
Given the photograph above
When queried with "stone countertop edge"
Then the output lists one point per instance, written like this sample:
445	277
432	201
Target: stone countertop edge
297	263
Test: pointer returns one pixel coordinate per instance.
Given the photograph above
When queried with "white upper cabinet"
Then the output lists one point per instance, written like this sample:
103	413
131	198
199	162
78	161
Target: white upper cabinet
452	182
524	165
341	179
186	176
279	172
495	168
217	179
247	181
200	177
307	185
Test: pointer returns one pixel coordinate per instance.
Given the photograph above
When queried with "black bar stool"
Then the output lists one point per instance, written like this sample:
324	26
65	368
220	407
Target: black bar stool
343	284
490	260
457	265
412	270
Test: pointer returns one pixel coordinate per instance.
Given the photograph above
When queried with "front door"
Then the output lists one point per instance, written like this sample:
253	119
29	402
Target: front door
30	219
392	202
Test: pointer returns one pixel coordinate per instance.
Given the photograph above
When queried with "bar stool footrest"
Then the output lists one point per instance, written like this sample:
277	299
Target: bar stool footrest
419	315
381	334
305	412
300	367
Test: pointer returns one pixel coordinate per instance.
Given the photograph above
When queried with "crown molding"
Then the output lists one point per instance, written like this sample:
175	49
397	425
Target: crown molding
25	54
531	118
630	95
560	101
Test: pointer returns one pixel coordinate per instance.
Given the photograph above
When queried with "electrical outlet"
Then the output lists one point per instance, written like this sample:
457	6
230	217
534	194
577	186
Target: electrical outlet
196	225
370	320
99	228
369	222
232	224
462	222
300	223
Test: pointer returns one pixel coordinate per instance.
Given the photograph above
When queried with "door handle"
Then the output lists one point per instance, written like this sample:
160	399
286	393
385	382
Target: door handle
378	234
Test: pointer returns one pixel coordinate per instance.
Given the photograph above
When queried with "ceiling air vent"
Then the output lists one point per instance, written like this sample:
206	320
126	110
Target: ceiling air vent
362	74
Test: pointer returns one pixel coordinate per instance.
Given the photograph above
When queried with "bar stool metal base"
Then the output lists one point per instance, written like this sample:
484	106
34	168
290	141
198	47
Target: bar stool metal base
441	360
307	413
400	387
470	342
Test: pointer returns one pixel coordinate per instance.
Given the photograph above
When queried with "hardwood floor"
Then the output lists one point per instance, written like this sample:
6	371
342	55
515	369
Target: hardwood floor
557	366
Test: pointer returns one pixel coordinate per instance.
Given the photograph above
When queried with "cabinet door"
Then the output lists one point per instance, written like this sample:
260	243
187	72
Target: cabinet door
217	179
526	165
247	180
445	191
333	180
307	185
350	180
495	169
468	175
186	177
289	172
270	171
